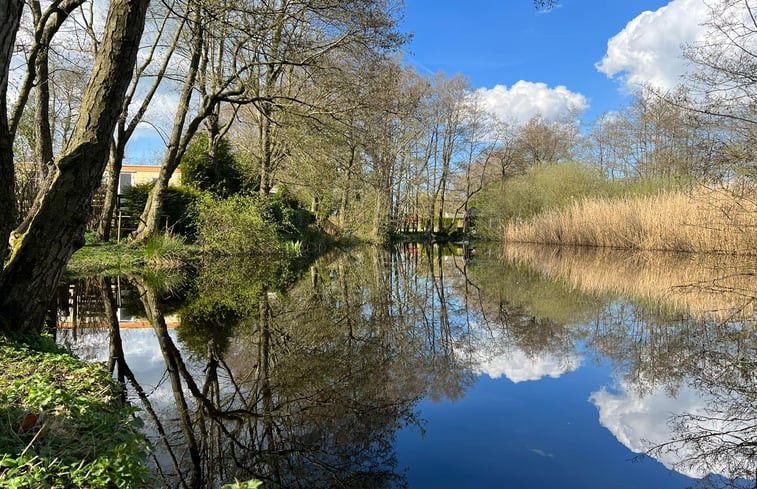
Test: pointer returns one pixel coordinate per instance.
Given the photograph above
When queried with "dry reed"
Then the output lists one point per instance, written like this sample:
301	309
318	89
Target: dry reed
716	287
720	220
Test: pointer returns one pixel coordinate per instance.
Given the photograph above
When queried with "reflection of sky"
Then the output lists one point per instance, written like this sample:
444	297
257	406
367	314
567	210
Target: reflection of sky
518	366
525	435
492	353
142	354
642	422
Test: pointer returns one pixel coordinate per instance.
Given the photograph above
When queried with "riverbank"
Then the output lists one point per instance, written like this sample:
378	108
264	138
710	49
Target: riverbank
63	423
719	220
158	253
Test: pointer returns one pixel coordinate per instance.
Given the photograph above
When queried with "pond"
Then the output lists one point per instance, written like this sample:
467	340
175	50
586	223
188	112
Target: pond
436	367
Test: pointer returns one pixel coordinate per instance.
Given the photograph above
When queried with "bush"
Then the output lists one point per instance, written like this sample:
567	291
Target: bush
223	177
178	208
287	214
543	187
236	226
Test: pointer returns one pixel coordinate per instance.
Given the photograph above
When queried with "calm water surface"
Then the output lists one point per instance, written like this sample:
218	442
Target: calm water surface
437	368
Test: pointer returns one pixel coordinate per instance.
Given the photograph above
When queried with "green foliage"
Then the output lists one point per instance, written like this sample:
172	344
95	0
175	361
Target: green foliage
644	187
83	437
222	176
236	226
251	224
178	208
291	219
251	484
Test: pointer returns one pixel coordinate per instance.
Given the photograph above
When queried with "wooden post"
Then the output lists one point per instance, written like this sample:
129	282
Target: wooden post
118	234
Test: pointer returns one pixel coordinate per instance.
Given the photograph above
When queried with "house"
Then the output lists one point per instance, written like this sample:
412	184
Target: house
132	175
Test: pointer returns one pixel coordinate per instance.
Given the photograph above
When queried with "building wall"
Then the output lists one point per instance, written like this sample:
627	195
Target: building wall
145	174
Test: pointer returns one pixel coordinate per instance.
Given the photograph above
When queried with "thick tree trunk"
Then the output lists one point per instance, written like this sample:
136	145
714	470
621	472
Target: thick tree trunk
10	16
56	230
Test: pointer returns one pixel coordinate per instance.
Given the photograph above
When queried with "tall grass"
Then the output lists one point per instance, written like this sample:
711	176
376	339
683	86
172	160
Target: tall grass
556	186
722	220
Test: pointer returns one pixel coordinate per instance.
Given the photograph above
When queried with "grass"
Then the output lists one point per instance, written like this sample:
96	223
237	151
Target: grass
83	436
722	220
162	252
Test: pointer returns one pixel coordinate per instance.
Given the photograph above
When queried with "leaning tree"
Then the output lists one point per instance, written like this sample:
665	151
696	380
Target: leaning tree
40	254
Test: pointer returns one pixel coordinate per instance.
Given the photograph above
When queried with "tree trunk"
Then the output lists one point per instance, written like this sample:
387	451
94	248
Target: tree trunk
115	162
266	152
10	17
57	229
43	136
344	205
150	219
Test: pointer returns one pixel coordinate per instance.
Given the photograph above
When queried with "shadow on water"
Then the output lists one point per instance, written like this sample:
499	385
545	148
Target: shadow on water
251	371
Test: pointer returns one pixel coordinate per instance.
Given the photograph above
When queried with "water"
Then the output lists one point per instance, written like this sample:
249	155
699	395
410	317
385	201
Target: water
436	367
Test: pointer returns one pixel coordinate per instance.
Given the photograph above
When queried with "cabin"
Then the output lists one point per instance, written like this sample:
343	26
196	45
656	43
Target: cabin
132	175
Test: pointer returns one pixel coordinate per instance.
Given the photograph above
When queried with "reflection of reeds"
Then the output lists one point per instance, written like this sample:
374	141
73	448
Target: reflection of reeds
713	286
708	220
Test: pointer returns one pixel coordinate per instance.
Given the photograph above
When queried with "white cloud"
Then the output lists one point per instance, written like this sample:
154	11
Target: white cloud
648	49
494	353
517	366
525	99
643	422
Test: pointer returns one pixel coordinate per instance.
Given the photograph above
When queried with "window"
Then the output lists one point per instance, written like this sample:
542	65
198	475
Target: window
125	180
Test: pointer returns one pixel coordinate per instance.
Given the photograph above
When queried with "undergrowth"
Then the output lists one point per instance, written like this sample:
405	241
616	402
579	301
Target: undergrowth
62	423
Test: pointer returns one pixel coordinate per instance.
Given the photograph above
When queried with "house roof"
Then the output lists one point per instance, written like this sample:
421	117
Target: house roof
145	169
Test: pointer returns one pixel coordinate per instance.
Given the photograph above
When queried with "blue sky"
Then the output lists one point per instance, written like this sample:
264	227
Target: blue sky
501	42
526	62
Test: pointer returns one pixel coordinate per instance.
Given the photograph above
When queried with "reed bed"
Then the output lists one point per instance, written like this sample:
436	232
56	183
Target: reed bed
722	220
715	287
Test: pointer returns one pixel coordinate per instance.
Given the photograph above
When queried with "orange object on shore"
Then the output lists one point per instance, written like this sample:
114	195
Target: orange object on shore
29	422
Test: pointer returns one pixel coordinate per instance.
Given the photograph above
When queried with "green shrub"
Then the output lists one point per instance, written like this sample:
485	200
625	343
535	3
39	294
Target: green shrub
178	208
236	226
647	187
223	177
287	214
543	187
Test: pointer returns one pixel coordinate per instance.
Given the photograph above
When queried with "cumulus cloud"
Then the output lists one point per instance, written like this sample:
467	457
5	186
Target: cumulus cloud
648	49
643	422
494	353
525	99
517	366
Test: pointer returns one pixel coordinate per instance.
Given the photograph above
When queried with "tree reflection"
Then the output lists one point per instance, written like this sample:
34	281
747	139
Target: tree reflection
311	385
691	328
302	379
